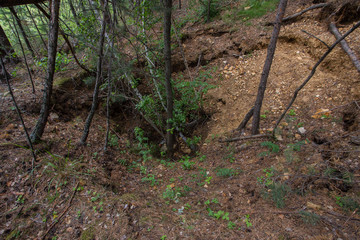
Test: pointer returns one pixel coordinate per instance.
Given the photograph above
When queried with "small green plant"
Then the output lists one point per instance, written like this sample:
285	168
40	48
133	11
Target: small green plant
347	203
231	152
113	140
267	179
264	116
186	163
208	179
231	225
272	189
163	237
174	193
247	221
273	148
20	199
143	146
309	217
292	112
225	172
150	178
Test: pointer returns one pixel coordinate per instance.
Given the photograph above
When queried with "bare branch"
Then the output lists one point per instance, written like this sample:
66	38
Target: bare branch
345	46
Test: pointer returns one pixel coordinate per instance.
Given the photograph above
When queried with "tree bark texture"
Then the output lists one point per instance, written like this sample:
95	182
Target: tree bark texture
98	79
267	67
22	30
38	130
345	46
170	137
11	3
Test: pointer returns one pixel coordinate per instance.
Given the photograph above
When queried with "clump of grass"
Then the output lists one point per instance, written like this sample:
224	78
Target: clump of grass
251	9
309	217
225	172
257	8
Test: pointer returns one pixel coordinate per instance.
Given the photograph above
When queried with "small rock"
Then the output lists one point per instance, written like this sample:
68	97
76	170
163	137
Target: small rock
302	130
297	136
70	230
53	117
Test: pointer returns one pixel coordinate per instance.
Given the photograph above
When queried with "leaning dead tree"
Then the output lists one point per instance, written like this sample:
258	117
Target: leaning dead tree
312	73
345	46
19	114
255	111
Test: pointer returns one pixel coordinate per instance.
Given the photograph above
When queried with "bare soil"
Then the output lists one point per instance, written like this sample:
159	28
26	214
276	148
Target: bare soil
83	193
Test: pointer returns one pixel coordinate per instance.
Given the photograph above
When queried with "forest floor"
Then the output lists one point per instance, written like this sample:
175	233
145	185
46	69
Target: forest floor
305	185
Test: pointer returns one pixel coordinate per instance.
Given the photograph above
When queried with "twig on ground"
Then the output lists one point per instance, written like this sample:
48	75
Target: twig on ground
62	214
350	216
245	138
312	35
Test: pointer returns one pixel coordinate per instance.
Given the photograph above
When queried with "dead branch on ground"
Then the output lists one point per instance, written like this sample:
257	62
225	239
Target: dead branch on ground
62	214
345	46
245	138
312	73
292	17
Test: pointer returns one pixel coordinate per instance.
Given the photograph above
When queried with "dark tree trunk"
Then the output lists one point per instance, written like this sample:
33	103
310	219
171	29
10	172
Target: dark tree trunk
267	66
208	11
23	33
6	50
170	137
11	3
179	4
98	79
38	130
4	75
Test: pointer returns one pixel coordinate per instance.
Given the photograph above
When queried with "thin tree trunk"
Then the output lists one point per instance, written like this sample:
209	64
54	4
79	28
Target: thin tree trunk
36	27
170	137
24	55
4	74
179	4
267	66
312	74
23	33
38	130
98	79
208	11
6	50
19	114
